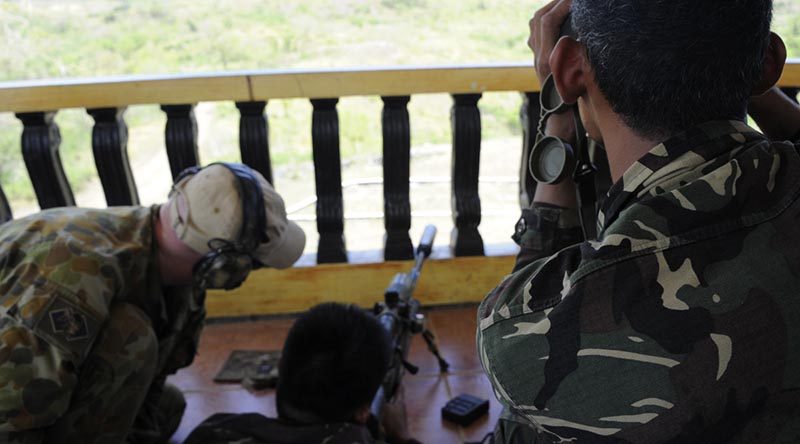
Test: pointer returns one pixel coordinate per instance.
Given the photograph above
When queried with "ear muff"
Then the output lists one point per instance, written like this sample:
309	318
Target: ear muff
223	268
254	224
190	171
228	263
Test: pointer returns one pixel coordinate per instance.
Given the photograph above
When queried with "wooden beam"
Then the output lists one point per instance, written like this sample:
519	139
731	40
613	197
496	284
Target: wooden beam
444	281
120	92
45	95
791	74
49	95
395	82
39	95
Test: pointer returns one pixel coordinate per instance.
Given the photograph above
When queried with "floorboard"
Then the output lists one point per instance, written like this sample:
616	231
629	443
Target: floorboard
426	392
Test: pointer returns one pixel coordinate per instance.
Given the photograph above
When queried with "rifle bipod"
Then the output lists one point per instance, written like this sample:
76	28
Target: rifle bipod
431	341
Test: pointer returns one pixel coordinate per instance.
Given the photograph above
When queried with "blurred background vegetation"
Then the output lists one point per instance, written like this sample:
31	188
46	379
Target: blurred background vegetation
90	38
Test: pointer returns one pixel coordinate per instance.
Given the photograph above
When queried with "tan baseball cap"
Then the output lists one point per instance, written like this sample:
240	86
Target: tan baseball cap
207	206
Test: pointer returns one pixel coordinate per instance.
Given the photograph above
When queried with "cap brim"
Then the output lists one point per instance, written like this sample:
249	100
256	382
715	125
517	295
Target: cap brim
288	251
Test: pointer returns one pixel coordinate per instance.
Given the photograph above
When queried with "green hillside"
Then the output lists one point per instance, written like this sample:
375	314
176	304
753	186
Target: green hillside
89	38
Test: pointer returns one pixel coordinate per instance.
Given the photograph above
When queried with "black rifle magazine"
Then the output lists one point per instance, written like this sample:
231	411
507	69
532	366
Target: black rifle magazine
465	409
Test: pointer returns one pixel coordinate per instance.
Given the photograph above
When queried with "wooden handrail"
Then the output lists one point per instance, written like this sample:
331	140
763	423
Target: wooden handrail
45	95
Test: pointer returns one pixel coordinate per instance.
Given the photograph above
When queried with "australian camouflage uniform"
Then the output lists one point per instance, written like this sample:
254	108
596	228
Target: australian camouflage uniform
87	333
680	323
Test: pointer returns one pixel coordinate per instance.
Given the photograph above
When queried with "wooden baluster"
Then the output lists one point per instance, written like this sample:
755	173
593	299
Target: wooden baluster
181	138
40	143
254	137
791	92
529	120
110	148
328	176
5	208
396	159
465	118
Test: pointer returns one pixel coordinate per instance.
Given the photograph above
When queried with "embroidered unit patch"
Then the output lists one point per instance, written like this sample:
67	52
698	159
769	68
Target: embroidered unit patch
69	323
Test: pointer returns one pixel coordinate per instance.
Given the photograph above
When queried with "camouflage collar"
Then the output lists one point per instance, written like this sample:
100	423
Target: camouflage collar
654	173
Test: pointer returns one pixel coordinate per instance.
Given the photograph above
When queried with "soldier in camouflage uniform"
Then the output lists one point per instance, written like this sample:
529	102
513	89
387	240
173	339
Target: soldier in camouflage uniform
333	361
99	306
681	322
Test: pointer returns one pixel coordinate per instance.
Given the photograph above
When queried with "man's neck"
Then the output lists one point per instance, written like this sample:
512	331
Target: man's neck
623	146
175	259
623	149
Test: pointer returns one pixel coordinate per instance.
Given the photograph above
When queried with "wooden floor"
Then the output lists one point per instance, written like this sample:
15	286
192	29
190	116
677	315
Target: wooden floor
426	392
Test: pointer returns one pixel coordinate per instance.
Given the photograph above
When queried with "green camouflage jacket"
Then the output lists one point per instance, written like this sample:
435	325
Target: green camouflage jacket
680	323
253	428
60	271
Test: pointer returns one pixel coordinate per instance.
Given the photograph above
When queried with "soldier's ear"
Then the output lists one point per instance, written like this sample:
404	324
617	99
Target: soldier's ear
568	61
771	70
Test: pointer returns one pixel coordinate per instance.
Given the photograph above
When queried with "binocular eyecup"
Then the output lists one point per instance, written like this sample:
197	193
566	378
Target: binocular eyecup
551	160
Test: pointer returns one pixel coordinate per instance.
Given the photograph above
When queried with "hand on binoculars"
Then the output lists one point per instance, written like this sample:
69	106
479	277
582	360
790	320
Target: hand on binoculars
776	114
561	126
545	29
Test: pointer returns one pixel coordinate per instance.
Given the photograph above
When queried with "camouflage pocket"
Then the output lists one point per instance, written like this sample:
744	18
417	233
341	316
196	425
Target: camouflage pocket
61	321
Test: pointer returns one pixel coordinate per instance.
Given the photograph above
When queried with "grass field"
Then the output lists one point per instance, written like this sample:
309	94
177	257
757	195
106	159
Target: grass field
89	38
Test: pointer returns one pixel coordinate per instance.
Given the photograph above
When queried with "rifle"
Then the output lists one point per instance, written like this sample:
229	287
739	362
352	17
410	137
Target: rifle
399	314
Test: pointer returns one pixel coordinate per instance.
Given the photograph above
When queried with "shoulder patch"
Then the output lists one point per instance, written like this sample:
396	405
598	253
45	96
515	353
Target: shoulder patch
68	326
69	323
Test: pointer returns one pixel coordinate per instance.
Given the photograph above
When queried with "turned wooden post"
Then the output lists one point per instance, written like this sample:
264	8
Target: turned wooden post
180	135
254	137
328	178
5	208
110	149
465	240
396	160
40	143
529	120
791	92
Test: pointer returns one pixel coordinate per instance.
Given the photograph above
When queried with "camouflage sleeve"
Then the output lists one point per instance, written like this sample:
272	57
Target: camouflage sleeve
525	338
44	338
36	379
181	334
572	365
513	430
543	230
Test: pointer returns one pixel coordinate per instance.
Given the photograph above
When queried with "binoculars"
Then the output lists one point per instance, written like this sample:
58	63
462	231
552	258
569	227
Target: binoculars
553	159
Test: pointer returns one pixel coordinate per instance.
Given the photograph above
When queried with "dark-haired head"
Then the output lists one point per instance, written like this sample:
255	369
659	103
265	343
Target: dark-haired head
333	362
667	65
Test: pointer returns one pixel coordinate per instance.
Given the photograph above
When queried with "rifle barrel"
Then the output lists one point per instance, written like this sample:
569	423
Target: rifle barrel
426	243
423	251
401	323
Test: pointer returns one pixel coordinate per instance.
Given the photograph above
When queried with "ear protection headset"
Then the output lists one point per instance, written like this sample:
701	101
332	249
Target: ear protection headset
228	263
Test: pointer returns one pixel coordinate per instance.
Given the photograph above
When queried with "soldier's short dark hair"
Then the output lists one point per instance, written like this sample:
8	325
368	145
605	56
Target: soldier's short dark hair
667	65
333	361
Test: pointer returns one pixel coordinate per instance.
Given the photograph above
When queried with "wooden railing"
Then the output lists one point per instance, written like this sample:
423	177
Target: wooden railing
36	102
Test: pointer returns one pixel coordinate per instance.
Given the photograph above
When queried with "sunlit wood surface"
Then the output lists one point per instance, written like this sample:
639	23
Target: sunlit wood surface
443	281
46	95
791	74
426	392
